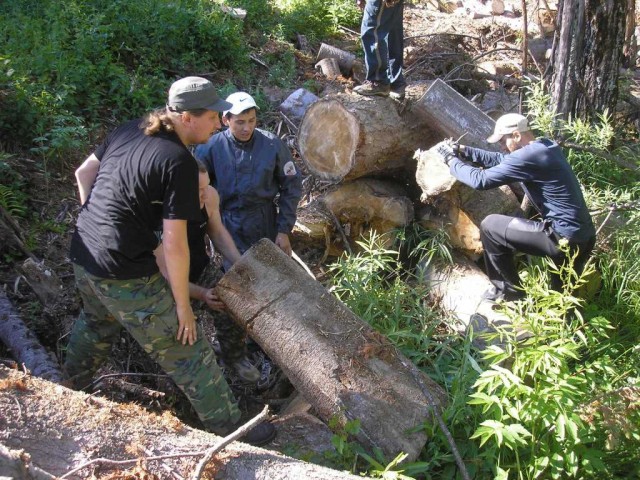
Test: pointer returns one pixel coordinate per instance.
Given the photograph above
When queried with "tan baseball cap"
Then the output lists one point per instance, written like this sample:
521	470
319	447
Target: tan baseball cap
507	124
195	93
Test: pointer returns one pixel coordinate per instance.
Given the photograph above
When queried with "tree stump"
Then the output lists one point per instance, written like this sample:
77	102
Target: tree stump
343	367
345	136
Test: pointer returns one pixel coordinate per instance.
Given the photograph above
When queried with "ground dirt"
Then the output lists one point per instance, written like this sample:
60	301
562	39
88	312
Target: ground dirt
438	45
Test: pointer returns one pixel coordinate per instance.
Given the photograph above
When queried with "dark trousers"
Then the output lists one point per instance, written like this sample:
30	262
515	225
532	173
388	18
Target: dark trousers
382	40
502	236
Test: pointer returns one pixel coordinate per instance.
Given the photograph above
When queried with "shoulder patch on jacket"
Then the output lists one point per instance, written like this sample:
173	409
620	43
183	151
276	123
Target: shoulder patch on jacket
289	169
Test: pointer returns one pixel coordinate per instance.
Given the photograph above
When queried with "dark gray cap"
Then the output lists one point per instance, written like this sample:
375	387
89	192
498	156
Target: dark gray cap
194	93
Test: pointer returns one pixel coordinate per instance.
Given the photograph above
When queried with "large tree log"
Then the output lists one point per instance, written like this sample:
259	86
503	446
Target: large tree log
347	136
24	345
457	205
62	429
340	365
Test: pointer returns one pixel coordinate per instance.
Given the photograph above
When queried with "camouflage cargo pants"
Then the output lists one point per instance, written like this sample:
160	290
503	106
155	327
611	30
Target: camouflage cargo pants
145	308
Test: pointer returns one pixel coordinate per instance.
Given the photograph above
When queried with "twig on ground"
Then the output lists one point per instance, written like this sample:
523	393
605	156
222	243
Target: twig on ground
197	473
340	230
223	443
164	466
415	373
124	374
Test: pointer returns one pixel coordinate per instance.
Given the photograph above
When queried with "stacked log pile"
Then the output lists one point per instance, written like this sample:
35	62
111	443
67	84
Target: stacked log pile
375	153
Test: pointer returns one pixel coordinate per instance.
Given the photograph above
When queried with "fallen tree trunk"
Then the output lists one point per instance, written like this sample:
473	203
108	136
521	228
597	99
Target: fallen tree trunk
347	136
340	365
455	206
62	429
24	345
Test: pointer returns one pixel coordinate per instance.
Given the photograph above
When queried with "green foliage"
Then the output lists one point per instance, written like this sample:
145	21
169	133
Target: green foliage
69	63
317	19
369	284
12	189
535	394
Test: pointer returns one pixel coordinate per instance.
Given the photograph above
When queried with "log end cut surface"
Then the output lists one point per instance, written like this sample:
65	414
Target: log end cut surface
328	138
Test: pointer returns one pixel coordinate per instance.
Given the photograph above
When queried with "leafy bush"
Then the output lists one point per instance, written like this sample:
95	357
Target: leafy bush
70	63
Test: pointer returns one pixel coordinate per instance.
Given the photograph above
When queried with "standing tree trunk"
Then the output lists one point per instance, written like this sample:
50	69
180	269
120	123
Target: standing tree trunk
587	53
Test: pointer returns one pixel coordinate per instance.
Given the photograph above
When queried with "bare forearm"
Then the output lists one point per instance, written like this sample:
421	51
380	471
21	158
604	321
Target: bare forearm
224	243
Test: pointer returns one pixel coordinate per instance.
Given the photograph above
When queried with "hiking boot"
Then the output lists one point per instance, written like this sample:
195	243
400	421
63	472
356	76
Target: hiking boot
261	434
371	89
245	370
397	93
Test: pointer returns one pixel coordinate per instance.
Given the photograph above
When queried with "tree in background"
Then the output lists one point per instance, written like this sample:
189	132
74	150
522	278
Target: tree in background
586	56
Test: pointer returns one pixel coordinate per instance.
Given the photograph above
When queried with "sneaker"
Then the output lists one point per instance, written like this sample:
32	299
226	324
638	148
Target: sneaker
370	89
266	379
245	370
397	93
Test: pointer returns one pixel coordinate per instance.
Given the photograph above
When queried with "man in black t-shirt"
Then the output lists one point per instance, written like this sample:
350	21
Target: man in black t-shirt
143	179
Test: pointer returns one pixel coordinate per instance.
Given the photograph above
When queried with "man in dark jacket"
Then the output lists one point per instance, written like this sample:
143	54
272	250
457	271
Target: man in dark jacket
550	184
249	168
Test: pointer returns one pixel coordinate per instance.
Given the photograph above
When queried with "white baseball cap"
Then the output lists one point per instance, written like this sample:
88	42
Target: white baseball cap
240	102
507	124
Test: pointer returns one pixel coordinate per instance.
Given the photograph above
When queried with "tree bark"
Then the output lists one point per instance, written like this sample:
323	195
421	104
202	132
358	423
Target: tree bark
62	429
24	345
347	136
586	56
339	364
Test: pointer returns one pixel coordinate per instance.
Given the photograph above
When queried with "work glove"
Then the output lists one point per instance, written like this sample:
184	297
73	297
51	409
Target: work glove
448	150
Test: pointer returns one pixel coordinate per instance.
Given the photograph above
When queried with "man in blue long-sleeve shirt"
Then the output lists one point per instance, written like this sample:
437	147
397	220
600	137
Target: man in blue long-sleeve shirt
249	167
550	184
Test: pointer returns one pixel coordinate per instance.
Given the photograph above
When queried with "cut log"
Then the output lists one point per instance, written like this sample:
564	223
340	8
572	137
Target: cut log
62	429
350	211
346	136
457	289
329	68
453	202
343	367
367	205
24	345
449	114
345	59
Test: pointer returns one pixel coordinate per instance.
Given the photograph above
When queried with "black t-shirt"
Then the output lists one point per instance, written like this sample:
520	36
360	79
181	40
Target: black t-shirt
141	181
